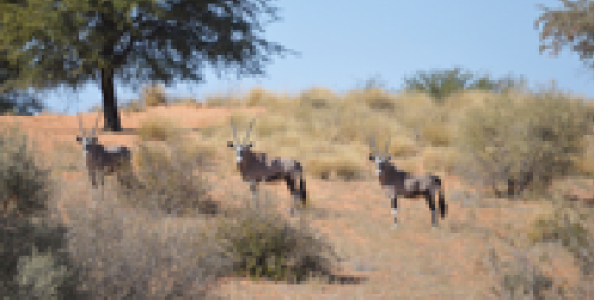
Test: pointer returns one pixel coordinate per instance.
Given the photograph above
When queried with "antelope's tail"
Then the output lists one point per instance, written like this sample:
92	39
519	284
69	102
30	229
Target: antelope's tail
303	194
441	198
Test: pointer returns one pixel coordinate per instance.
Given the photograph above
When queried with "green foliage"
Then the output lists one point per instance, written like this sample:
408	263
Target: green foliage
514	143
263	244
571	25
24	183
40	276
14	101
71	42
439	84
27	274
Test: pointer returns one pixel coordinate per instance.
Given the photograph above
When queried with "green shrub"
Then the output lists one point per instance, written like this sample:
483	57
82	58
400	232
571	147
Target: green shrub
24	184
27	274
441	83
263	244
518	142
157	128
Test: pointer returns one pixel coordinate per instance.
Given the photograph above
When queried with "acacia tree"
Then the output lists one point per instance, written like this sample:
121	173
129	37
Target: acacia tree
69	42
573	25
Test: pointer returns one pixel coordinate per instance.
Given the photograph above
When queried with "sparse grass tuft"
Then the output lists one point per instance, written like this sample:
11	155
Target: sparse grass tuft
157	128
264	244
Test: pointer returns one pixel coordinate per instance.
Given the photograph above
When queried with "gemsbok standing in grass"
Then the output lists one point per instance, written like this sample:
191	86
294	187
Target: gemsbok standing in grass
398	183
256	167
103	160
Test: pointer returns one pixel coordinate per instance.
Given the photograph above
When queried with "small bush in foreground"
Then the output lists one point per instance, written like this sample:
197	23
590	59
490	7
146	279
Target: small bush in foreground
263	244
25	273
24	183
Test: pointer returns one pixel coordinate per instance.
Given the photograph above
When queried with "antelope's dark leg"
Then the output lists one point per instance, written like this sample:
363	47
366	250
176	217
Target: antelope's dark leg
92	175
291	184
394	201
254	190
430	198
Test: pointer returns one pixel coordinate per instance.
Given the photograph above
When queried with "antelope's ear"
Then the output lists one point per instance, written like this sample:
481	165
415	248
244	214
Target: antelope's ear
371	157
230	144
78	139
389	158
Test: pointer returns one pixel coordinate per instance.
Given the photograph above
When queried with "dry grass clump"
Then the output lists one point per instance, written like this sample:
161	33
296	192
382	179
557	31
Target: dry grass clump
375	98
158	128
264	244
343	162
154	95
583	163
319	97
441	159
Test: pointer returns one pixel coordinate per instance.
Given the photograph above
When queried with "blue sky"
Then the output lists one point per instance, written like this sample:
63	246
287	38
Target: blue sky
344	42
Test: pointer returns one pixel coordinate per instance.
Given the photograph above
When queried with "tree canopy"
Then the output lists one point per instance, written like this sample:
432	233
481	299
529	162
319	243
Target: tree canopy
69	42
572	25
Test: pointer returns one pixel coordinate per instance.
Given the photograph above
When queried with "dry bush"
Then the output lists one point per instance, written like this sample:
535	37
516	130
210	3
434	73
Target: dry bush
169	181
571	225
340	162
522	142
441	159
403	146
319	97
264	244
158	128
154	95
25	184
584	162
125	254
259	97
374	98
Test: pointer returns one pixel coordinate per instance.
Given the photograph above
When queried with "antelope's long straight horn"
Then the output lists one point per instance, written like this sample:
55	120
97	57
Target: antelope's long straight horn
373	148
387	145
248	131
233	130
96	125
81	131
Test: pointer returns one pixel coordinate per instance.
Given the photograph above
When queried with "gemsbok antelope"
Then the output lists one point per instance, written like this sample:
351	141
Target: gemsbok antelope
256	167
398	183
103	160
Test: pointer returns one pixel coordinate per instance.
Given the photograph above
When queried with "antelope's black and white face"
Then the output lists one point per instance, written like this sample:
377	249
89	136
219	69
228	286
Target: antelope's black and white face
240	150
380	162
87	142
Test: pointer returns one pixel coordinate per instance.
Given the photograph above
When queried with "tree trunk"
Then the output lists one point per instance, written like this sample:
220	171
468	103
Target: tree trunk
112	121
